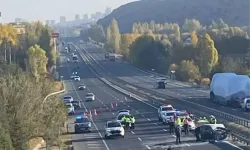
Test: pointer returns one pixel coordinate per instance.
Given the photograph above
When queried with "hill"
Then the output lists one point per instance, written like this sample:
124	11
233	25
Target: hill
233	12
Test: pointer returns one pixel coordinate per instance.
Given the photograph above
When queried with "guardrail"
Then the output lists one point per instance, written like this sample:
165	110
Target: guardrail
229	117
234	135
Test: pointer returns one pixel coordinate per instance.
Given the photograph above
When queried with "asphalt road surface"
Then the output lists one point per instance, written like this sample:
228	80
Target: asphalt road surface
148	134
175	89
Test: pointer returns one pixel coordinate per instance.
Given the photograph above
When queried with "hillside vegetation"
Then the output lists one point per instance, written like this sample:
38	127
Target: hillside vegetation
233	12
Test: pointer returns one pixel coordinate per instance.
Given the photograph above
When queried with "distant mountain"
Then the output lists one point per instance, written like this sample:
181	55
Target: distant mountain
233	12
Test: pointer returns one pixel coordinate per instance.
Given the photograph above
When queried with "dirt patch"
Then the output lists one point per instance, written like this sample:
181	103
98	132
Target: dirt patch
34	142
58	86
64	142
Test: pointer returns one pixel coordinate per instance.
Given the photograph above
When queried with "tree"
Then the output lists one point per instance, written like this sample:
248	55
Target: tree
191	25
114	38
194	38
188	71
95	32
126	41
147	53
207	55
25	113
177	33
37	61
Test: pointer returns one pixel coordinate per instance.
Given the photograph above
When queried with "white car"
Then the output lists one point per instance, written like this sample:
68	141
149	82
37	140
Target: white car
123	110
167	115
68	99
182	115
71	108
121	115
77	78
163	109
114	129
73	77
90	97
245	104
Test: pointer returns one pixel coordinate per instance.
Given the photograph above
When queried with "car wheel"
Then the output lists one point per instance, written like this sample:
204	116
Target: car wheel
123	136
106	137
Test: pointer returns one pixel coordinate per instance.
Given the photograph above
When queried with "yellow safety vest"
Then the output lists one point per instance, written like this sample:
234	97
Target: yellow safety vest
178	121
132	120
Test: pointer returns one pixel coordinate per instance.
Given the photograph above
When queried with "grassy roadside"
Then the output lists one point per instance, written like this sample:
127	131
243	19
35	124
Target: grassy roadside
62	141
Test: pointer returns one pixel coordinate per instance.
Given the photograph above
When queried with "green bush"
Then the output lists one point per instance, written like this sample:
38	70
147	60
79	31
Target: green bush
205	81
188	71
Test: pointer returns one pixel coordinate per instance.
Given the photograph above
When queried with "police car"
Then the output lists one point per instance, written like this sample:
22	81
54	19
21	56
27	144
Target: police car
182	115
167	115
114	129
123	110
82	124
163	109
121	115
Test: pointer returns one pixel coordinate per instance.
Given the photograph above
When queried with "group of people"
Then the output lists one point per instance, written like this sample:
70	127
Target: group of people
129	121
176	124
211	120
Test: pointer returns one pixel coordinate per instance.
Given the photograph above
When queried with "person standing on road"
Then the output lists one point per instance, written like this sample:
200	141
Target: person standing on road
127	122
132	120
178	134
171	125
186	126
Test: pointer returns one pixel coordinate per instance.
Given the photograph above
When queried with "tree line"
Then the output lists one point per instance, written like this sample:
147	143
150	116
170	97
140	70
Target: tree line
24	84
192	50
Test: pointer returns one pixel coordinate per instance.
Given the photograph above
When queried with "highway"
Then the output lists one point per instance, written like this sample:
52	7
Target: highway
177	90
148	134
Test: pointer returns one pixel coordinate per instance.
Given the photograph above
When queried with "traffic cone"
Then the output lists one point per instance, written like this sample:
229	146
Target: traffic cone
112	105
90	114
116	104
125	98
95	112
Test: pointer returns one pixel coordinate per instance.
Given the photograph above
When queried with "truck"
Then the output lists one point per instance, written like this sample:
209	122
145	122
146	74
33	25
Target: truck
229	89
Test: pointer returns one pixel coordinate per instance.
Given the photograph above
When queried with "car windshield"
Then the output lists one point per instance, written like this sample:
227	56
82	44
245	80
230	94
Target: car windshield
90	94
123	111
113	124
166	108
67	97
182	115
68	105
170	114
82	120
121	116
75	102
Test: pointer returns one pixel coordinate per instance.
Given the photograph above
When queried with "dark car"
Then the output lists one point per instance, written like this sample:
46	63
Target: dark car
81	87
76	104
213	132
82	124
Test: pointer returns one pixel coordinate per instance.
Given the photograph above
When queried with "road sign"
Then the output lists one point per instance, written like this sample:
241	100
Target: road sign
55	35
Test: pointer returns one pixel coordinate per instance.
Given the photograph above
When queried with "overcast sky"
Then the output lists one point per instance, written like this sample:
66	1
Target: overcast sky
53	9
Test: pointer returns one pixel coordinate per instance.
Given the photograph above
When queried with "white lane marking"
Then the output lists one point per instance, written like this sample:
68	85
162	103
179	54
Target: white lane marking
104	142
137	112
187	144
139	139
132	132
113	113
156	124
128	105
234	109
105	105
233	145
147	147
142	115
174	136
165	130
149	119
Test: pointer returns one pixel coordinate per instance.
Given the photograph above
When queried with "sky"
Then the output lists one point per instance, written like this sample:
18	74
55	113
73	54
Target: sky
53	9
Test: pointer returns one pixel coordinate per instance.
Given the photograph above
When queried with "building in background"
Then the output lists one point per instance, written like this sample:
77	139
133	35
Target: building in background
63	19
52	22
77	17
18	20
93	17
86	17
98	15
47	22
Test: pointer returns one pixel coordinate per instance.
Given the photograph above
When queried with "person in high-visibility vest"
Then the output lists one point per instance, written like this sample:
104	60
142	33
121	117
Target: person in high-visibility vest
132	119
127	122
178	121
185	126
123	120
